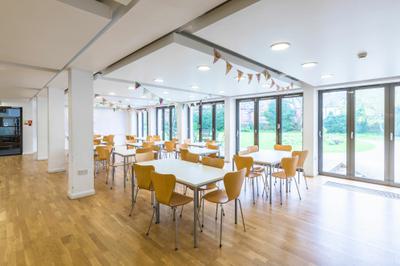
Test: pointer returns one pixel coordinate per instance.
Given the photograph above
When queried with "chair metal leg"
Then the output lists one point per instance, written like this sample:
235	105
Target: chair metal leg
176	230
295	181
151	221
252	186
241	212
298	176
134	201
216	212
280	189
184	193
220	228
202	206
305	180
257	186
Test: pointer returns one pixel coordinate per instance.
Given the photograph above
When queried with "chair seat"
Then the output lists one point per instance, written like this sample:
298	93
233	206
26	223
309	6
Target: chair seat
279	174
179	200
254	174
216	196
258	168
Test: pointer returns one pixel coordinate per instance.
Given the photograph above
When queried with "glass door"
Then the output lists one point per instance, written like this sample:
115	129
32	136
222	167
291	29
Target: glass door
333	147
167	124
246	128
206	122
369	133
292	122
267	124
196	123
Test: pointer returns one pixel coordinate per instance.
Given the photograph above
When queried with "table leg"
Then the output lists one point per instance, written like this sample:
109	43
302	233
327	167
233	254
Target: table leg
133	185
125	162
270	183
157	212
195	206
236	202
113	169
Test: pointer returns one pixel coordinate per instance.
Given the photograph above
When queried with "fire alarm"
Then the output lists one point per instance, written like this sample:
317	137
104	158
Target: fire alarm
362	55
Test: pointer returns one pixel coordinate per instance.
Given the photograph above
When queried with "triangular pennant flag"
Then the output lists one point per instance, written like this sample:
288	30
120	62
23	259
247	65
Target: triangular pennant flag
258	75
250	77
291	85
217	56
272	84
266	74
137	85
228	68
239	75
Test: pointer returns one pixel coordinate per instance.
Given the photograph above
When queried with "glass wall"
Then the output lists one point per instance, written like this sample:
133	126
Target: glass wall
267	124
207	122
246	124
142	123
196	123
166	125
292	122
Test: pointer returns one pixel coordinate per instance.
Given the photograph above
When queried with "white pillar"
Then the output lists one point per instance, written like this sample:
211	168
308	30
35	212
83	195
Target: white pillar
42	127
230	128
80	115
179	122
310	130
185	124
133	117
152	113
56	132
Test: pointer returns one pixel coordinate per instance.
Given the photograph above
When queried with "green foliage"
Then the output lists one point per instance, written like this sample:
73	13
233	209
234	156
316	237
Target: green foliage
335	123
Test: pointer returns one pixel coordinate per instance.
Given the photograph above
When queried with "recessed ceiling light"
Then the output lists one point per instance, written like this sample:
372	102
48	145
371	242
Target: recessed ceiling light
158	80
221	91
111	93
280	46
165	92
326	76
309	64
131	88
203	68
195	87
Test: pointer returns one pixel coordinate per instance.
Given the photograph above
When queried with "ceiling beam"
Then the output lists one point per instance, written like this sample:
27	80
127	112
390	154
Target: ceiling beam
32	67
91	6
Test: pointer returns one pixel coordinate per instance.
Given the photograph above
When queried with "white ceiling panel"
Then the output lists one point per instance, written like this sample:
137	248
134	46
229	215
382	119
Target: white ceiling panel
328	32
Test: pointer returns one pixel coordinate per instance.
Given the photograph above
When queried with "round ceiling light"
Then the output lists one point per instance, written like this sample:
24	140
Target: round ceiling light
326	76
203	68
158	80
280	46
112	93
195	87
309	64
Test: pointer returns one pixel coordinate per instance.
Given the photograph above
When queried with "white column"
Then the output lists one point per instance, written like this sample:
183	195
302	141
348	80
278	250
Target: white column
133	118
80	115
152	113
56	132
42	127
179	122
310	130
230	128
185	124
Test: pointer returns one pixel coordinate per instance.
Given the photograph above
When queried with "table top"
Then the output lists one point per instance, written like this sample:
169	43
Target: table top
201	144
124	152
140	144
269	157
187	173
202	151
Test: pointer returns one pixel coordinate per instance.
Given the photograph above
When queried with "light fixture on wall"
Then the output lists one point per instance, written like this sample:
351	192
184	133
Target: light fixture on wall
203	68
280	46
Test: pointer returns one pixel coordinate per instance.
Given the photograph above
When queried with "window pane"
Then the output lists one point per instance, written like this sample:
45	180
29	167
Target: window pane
334	127
206	122
397	136
166	124
267	124
139	117
246	124
145	133
159	123
369	133
220	126
174	123
196	123
292	122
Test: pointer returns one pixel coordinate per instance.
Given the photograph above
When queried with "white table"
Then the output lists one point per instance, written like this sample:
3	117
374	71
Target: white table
194	175
140	144
202	151
125	154
99	145
201	144
269	158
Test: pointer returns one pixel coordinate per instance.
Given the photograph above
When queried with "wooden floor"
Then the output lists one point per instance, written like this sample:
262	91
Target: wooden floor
39	225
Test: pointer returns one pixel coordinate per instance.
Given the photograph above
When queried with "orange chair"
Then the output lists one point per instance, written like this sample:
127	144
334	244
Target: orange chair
252	149
213	147
103	155
244	162
289	166
169	149
300	165
279	147
164	186
148	144
189	157
233	182
144	150
96	141
143	176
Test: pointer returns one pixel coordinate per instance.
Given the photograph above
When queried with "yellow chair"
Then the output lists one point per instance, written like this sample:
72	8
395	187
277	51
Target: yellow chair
289	166
187	141
144	150
157	150
244	162
103	155
279	147
169	149
164	186
252	149
212	147
233	182
149	138
300	164
189	157
156	138
148	144
143	177
183	146
96	141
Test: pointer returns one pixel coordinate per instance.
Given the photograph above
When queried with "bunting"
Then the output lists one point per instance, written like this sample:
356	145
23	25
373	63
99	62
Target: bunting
228	68
217	56
249	77
258	75
239	75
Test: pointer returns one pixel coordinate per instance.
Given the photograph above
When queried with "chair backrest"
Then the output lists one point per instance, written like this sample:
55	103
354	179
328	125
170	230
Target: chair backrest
149	138
169	146
148	144
96	136
156	138
213	162
253	148
302	157
243	162
183	146
103	153
163	185
289	165
190	157
174	140
144	156
96	141
212	146
143	175
210	141
144	150
233	182
279	147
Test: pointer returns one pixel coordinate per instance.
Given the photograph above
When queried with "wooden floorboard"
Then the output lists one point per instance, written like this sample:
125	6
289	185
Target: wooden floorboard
39	225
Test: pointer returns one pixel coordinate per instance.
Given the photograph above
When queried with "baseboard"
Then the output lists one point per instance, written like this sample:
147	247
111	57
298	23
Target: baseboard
82	194
56	170
41	158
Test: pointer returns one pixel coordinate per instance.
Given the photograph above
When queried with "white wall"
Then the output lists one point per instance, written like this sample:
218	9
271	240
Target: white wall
107	122
29	132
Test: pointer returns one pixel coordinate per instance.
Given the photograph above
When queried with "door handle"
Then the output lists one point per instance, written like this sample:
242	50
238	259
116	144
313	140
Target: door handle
320	133
351	135
391	136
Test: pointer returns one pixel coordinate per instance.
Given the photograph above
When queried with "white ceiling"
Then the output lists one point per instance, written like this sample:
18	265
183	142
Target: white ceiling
177	66
328	32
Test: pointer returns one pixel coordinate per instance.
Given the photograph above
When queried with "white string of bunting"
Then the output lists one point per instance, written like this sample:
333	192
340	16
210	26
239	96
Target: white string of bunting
265	73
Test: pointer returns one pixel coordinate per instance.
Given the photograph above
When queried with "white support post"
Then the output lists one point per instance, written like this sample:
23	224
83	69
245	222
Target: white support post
179	122
42	127
230	128
310	130
152	113
56	132
80	114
